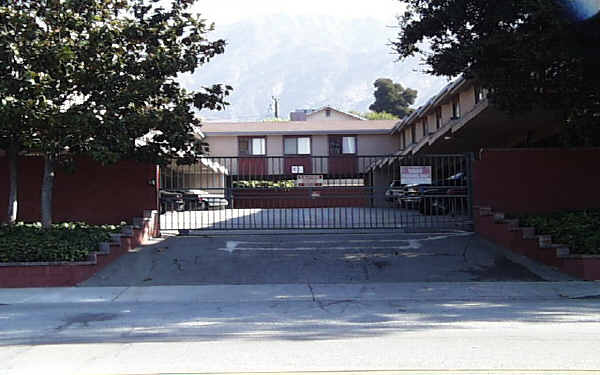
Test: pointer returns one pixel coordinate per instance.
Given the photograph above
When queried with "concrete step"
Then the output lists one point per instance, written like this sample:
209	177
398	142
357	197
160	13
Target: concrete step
528	233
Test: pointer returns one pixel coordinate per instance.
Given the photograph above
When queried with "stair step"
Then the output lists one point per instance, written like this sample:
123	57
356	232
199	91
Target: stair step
499	217
528	233
485	211
544	241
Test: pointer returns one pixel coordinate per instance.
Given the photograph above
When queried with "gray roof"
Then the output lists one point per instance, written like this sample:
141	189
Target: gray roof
298	127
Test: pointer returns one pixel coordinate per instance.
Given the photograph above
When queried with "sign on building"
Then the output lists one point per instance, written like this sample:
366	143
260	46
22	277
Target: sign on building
415	175
297	169
309	180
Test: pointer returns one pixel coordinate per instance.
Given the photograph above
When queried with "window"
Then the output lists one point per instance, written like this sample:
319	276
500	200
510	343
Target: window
296	145
424	125
251	146
403	139
456	107
348	145
413	134
328	112
342	145
438	117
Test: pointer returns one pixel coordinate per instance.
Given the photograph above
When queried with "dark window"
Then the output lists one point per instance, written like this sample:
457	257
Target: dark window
328	112
244	146
413	134
251	146
403	139
424	125
342	145
438	117
335	145
456	107
296	146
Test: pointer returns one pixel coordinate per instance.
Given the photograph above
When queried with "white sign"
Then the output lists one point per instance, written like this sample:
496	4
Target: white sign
309	180
296	169
415	175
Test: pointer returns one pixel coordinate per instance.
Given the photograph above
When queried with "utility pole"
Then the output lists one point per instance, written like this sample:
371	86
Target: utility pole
276	106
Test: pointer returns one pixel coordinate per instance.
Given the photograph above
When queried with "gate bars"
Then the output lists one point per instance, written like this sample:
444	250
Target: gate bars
318	192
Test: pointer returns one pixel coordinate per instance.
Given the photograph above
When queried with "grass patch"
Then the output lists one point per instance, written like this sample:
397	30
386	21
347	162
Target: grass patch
65	242
580	230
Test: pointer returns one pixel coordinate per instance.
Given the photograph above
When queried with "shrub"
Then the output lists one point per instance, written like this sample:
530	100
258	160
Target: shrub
283	184
580	230
64	242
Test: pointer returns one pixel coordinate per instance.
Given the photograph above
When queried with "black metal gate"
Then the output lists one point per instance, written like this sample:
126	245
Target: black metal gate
409	193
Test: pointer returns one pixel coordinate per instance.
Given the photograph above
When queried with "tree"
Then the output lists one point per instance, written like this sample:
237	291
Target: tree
16	100
380	116
392	98
104	74
529	53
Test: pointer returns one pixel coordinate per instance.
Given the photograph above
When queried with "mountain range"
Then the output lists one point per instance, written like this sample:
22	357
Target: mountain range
306	62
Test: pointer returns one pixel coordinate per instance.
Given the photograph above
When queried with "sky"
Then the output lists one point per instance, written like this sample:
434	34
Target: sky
230	11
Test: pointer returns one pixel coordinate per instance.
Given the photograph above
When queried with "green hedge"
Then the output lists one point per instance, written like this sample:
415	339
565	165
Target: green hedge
65	242
580	230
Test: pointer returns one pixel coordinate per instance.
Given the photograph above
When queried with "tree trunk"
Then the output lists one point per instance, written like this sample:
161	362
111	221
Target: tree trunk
47	187
13	202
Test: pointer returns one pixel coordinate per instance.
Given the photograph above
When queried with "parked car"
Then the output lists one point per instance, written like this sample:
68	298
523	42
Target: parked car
395	191
171	201
442	197
202	200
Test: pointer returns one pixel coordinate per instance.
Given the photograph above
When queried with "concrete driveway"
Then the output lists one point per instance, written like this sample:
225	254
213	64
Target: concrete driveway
314	258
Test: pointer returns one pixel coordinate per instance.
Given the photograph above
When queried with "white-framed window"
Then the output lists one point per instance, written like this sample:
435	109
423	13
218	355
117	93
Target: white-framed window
296	146
258	146
349	145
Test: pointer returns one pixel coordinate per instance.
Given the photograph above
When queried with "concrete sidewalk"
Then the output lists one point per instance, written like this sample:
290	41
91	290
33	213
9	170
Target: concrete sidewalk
305	292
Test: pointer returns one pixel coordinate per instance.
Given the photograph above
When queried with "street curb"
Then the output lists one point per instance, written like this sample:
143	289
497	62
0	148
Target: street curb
415	292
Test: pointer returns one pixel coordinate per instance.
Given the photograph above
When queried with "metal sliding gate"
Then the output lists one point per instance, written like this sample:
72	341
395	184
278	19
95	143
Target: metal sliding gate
410	193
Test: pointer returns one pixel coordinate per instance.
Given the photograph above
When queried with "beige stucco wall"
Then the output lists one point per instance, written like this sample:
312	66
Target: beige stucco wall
446	113
371	144
320	145
320	116
275	145
467	100
222	146
431	123
419	129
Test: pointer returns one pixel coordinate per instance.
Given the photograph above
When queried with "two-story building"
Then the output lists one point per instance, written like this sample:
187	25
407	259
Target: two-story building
461	119
327	147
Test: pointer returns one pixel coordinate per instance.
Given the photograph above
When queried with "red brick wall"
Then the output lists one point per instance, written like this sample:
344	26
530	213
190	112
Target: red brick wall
301	198
93	193
537	180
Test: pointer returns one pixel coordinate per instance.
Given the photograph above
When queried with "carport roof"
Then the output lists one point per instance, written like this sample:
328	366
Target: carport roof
299	127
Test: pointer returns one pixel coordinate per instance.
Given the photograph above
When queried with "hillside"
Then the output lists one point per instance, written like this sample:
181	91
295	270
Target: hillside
308	62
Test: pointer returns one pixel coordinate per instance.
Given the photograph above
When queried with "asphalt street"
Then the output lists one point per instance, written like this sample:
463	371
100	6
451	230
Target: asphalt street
496	327
330	302
315	258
